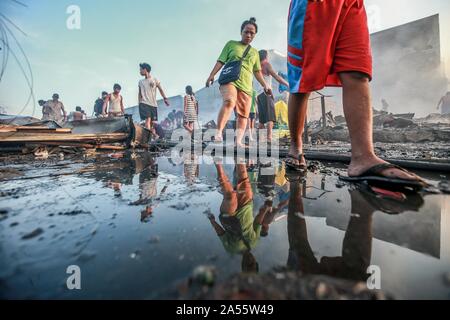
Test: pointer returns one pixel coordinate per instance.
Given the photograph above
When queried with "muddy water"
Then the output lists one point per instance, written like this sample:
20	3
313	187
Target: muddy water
137	225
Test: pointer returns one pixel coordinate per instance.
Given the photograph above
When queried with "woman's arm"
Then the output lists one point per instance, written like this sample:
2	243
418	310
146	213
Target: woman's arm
214	71
121	105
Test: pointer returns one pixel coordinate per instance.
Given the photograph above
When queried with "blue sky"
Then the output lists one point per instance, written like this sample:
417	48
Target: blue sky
181	39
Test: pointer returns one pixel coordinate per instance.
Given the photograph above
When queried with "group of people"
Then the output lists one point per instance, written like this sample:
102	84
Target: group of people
328	45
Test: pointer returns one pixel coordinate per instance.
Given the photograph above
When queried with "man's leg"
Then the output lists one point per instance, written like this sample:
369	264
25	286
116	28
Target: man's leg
358	113
298	106
148	123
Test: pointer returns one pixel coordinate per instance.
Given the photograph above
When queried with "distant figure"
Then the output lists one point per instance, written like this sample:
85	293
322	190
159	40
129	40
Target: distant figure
148	106
190	110
444	103
266	104
78	115
54	110
41	104
385	105
98	106
179	118
115	101
166	124
172	118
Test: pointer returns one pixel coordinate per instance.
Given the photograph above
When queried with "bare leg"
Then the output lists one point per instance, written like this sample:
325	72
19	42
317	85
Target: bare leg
240	130
224	116
358	113
148	123
298	106
229	203
251	126
269	131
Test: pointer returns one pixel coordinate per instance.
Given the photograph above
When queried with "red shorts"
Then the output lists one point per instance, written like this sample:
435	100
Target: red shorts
324	39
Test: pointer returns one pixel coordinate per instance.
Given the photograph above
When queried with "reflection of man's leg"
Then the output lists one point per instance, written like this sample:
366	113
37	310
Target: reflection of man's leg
301	255
357	244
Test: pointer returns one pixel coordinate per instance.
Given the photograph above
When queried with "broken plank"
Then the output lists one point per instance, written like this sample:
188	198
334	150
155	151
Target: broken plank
61	137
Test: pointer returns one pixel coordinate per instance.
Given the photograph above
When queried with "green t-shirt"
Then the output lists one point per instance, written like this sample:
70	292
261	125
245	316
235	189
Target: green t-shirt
250	232
233	51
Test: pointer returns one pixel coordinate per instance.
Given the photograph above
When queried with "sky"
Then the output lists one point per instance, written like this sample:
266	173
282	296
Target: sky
181	39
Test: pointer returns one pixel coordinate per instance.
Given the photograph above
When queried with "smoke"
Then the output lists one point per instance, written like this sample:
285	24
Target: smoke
408	71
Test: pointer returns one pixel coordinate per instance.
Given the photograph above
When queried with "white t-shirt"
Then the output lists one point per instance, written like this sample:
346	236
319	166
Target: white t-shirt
148	91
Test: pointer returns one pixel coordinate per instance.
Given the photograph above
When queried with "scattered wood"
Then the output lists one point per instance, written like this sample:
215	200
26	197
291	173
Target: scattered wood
22	137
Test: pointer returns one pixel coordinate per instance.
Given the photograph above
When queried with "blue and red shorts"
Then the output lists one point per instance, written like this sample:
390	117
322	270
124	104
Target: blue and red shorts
324	39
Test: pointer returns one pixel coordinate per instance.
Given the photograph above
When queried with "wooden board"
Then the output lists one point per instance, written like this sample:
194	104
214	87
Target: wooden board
24	137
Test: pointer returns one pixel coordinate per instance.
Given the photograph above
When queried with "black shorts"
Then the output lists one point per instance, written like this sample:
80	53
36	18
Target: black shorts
252	116
146	111
266	109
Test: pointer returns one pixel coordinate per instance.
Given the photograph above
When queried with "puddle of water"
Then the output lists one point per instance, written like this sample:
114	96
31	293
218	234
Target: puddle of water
136	226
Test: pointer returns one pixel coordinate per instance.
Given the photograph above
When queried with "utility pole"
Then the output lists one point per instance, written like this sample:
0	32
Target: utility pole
323	105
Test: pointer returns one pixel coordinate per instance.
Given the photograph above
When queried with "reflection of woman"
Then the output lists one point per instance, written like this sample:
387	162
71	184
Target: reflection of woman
239	232
191	168
238	94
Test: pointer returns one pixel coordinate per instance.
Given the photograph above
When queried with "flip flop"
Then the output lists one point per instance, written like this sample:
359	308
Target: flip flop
290	163
391	202
374	176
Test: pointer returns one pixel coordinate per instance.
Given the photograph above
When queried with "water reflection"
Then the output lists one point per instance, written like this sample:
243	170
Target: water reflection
260	218
238	230
357	243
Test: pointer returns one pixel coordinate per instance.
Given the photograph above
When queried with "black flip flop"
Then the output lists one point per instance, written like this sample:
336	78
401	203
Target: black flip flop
374	176
295	167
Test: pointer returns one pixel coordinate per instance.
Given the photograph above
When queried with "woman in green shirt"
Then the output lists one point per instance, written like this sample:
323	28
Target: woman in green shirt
238	95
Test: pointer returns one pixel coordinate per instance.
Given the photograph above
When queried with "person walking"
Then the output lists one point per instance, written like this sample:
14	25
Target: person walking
241	63
190	110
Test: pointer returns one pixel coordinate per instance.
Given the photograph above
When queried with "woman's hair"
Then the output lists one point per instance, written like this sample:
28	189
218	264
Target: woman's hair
189	91
251	21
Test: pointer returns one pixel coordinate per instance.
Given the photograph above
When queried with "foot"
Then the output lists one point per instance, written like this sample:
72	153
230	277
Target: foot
294	153
240	145
358	167
218	138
